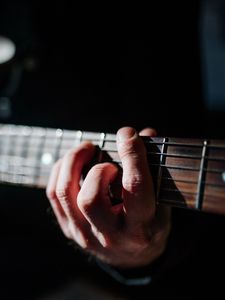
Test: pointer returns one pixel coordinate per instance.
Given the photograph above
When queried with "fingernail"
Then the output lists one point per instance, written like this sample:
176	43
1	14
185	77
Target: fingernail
126	133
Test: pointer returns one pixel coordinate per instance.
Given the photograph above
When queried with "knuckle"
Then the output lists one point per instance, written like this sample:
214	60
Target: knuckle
80	237
84	202
111	242
132	148
141	237
140	244
71	154
98	170
74	154
51	194
63	193
127	150
87	244
67	232
133	184
104	239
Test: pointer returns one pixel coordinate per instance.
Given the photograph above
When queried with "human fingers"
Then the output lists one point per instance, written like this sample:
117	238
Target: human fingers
55	204
94	201
67	188
162	223
148	131
68	183
138	193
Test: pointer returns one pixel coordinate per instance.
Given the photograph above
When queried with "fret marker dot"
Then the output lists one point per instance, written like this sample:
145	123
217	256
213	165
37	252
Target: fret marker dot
223	176
46	159
7	49
58	133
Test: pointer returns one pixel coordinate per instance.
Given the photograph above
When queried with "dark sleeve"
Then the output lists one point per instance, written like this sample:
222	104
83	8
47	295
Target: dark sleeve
180	245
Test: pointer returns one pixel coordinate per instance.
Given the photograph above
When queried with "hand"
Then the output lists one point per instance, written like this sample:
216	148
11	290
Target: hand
131	234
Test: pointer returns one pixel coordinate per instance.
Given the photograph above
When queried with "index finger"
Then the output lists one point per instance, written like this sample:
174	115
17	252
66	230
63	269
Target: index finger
138	193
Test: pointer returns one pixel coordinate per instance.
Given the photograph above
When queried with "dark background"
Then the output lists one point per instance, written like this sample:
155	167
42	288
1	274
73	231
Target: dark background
97	67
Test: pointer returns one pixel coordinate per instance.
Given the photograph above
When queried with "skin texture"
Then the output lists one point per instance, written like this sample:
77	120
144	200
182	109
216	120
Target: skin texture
127	235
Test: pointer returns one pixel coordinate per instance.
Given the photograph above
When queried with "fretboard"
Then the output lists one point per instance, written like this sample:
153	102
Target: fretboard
188	173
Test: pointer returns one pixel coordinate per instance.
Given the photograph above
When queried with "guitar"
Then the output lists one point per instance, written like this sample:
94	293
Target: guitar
187	173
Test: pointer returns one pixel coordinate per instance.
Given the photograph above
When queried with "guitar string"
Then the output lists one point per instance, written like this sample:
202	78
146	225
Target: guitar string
109	151
172	155
35	184
151	153
220	147
167	201
167	166
147	140
51	148
45	173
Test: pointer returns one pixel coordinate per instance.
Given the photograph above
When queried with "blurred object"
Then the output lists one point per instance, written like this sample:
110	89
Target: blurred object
11	70
7	49
30	63
7	55
9	85
213	53
5	108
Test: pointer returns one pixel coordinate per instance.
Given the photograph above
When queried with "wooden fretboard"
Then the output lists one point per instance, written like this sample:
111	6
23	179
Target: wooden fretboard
188	173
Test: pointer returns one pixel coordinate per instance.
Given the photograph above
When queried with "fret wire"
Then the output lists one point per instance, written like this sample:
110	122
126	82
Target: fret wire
59	136
26	142
200	188
12	145
37	173
162	161
12	140
79	135
101	145
102	140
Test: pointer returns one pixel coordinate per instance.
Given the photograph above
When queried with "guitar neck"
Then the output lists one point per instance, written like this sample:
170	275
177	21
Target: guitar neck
188	173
